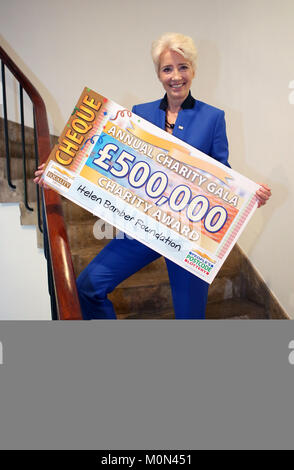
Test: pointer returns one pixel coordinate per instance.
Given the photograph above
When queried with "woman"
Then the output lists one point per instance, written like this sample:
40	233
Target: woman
194	122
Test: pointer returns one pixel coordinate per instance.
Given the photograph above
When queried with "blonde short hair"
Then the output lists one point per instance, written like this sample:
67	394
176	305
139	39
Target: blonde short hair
176	42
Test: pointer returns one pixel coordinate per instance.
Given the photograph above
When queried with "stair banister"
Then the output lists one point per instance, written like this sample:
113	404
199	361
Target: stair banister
67	300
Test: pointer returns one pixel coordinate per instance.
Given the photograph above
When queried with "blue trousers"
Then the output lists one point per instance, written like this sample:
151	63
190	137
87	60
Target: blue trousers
121	258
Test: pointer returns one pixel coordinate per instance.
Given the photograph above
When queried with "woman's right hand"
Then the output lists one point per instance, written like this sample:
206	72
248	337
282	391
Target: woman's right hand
38	176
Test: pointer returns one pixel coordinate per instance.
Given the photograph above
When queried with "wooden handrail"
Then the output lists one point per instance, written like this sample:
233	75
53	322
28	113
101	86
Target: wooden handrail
62	266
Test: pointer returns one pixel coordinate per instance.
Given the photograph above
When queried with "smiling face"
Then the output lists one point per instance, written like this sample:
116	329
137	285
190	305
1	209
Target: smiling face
176	75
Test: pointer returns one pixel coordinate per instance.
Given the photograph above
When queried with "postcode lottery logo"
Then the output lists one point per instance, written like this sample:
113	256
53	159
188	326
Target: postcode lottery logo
199	262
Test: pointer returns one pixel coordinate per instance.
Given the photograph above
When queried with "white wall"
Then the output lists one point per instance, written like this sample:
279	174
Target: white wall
246	58
24	288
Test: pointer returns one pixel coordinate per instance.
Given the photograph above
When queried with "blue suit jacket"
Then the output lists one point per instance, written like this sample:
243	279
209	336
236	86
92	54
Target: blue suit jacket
198	124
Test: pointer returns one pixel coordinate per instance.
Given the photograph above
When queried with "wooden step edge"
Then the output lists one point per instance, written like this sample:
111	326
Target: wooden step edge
237	308
164	315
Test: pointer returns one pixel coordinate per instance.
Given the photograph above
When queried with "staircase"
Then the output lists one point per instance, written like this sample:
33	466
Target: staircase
237	292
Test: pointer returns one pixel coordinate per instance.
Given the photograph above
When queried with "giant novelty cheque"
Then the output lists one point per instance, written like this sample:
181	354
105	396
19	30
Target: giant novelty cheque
154	187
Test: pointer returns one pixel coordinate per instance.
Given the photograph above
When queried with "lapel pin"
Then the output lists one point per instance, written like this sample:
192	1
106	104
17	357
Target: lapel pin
181	127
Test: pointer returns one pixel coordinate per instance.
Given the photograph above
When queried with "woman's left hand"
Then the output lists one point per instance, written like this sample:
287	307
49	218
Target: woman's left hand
263	194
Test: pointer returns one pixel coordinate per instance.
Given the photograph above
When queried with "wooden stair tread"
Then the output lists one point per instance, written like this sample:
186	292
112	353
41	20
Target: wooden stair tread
16	168
235	309
165	315
74	213
14	134
8	194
